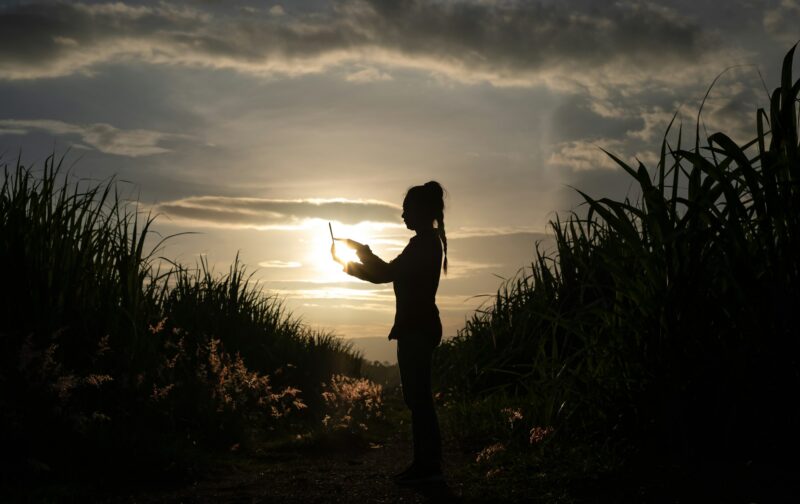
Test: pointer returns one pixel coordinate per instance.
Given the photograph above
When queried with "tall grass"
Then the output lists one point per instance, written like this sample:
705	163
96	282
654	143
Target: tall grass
104	356
668	322
254	324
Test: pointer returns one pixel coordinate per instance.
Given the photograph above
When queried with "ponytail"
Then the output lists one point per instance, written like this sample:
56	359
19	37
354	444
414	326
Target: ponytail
443	237
435	200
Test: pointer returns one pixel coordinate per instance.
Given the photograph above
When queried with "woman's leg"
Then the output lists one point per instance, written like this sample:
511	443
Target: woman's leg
414	360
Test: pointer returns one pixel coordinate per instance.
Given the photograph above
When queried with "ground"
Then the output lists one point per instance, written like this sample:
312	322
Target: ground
338	469
358	475
341	470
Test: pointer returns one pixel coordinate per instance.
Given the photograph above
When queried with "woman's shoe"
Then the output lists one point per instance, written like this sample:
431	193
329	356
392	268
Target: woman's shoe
416	475
404	472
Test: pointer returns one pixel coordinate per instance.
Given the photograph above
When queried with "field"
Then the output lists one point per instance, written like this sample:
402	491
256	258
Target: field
652	355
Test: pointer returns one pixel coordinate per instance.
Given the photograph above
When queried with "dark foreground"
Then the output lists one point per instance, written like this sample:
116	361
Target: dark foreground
328	469
325	470
340	469
362	475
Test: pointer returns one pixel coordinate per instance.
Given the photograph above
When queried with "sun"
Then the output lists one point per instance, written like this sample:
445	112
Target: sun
326	269
345	253
318	257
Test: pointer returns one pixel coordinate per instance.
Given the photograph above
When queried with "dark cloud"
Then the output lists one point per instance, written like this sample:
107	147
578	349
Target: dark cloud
257	212
510	36
574	119
504	42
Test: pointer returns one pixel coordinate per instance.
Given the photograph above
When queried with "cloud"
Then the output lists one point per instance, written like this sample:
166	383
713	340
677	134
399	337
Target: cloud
518	43
101	136
505	43
382	299
368	75
480	232
466	269
781	22
732	105
580	156
655	123
575	119
280	264
266	213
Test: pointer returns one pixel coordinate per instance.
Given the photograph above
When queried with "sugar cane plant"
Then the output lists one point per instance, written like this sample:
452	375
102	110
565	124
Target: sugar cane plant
669	321
105	357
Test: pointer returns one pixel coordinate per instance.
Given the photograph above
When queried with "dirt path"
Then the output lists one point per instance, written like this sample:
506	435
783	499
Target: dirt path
343	473
303	477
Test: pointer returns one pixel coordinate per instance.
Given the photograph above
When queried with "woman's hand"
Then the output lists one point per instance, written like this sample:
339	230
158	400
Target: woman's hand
334	256
362	250
354	244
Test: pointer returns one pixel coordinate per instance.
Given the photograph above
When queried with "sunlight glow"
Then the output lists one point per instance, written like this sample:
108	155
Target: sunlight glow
345	253
383	297
319	254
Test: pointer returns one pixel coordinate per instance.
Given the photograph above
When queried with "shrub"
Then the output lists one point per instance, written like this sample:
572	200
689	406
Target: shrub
351	404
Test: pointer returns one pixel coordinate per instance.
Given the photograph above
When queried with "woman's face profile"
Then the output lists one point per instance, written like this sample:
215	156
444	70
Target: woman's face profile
413	216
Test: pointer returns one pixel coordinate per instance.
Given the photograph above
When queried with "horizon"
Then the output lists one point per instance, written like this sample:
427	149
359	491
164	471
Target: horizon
254	124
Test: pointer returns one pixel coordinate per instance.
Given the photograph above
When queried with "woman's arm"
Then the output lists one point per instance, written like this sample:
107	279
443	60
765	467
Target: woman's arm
371	268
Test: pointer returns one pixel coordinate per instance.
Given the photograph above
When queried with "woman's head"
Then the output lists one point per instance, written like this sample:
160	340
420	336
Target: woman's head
422	207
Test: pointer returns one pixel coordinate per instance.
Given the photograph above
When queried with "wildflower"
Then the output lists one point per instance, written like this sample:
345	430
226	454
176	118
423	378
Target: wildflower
491	473
155	329
64	386
490	452
97	379
160	393
538	434
512	415
291	391
49	361
351	402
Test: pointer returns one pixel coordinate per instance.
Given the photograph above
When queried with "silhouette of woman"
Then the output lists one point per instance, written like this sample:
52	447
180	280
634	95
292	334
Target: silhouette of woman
417	327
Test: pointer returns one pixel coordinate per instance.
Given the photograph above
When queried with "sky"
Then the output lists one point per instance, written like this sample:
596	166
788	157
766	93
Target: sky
252	124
